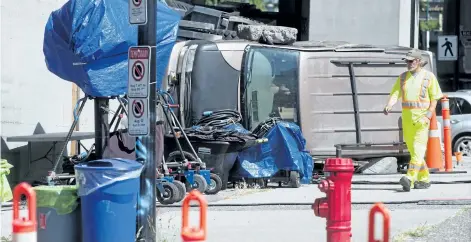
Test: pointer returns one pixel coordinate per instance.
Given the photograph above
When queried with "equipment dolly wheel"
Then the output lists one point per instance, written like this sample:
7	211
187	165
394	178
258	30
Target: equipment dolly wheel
199	183
181	190
294	179
171	193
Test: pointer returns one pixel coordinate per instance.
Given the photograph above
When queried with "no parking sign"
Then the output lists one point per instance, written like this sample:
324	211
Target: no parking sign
139	71
138	12
138	121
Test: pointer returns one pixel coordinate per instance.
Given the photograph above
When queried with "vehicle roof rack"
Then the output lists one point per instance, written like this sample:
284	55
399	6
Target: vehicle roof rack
358	48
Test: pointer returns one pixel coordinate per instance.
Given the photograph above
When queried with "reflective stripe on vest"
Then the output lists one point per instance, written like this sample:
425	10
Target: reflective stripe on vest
423	91
415	105
423	101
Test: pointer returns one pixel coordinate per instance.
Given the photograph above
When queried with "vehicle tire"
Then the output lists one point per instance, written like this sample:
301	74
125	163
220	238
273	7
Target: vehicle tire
171	196
294	179
215	186
262	183
200	184
463	145
181	190
175	156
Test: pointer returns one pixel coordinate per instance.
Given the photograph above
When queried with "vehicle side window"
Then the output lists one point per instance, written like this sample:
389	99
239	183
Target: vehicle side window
454	107
271	78
463	106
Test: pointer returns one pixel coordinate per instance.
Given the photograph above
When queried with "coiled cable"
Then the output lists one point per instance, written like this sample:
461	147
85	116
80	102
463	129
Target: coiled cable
262	128
220	118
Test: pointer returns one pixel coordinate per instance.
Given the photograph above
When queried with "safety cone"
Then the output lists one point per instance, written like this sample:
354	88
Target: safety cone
434	153
24	229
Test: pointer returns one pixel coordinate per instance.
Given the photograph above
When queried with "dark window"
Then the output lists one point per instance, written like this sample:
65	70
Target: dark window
457	106
463	106
438	110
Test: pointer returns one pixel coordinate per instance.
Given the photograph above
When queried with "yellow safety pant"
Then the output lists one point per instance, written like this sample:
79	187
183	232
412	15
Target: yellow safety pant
416	137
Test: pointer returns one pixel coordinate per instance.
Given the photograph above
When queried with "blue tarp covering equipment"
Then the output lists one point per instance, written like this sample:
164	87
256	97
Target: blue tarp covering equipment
87	42
285	150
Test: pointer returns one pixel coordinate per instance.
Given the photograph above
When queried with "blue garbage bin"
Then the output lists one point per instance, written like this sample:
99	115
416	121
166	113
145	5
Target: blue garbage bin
109	190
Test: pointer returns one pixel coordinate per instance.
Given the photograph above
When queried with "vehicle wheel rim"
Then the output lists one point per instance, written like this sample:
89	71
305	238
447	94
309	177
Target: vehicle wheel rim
465	147
168	194
212	185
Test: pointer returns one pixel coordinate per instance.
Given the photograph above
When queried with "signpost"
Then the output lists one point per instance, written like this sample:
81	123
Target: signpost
447	48
138	12
141	111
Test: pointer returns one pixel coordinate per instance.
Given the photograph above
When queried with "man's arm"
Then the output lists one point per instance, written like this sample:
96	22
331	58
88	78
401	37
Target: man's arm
431	109
393	96
435	94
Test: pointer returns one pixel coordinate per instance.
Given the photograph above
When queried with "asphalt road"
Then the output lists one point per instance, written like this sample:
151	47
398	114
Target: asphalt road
454	229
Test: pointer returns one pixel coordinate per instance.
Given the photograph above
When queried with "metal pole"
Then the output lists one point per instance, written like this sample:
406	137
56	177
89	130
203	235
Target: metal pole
146	217
427	33
58	160
457	32
427	10
102	131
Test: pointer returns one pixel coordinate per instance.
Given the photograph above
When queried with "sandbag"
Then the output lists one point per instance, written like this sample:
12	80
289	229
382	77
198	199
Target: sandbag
268	34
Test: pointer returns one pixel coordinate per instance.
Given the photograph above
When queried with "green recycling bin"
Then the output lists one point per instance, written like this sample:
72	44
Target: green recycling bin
58	214
5	189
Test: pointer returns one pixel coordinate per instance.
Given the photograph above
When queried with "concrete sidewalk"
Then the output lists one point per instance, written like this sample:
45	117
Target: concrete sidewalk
290	225
360	194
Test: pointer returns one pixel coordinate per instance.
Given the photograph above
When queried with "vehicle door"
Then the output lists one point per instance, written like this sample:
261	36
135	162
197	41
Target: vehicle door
460	110
462	121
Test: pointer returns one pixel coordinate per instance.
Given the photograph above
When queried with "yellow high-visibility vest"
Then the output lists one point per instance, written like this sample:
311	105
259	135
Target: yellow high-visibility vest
416	92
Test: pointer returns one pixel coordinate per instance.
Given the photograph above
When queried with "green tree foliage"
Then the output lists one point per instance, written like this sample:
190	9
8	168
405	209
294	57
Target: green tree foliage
429	25
259	4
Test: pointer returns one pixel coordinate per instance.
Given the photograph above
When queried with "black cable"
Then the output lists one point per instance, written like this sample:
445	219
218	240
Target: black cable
262	128
220	118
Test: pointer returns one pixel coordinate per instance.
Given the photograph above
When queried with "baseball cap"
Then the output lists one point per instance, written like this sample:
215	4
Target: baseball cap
412	55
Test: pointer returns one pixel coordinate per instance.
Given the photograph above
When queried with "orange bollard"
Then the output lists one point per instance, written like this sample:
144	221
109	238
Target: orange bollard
24	230
379	208
190	233
434	153
447	133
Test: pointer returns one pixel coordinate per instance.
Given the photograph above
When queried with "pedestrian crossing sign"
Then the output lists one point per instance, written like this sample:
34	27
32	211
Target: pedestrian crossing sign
447	48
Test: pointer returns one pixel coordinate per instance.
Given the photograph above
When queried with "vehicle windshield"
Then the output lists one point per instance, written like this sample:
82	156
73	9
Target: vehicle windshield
270	85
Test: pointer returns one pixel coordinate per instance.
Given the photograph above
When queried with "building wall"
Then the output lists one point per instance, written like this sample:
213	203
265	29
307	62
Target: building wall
385	22
352	21
32	99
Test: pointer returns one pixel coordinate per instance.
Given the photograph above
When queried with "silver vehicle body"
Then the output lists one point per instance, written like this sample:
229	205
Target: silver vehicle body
460	110
333	114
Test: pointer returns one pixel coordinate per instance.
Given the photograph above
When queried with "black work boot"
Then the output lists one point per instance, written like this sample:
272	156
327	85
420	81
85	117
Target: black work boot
421	185
405	183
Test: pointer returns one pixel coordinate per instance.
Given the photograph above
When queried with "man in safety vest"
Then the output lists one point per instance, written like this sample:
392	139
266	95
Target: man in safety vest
419	91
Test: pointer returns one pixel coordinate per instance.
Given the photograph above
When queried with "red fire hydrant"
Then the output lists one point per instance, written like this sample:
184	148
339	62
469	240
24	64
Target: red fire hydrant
337	205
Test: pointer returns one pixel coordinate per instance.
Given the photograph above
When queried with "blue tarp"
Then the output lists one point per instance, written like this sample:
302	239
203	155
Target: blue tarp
87	42
285	150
